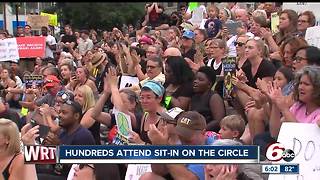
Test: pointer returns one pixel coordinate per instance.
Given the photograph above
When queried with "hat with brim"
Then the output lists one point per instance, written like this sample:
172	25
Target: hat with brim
51	81
171	115
190	122
98	58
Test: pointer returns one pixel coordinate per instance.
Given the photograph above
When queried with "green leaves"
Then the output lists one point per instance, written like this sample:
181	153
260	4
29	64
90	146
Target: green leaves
100	15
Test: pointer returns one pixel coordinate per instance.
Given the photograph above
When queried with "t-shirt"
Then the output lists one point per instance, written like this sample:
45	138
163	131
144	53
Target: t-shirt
189	54
198	169
46	99
213	26
197	15
298	109
69	39
85	45
265	69
51	41
81	136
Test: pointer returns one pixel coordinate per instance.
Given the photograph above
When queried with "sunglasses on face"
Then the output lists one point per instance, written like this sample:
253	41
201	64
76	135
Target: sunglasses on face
239	44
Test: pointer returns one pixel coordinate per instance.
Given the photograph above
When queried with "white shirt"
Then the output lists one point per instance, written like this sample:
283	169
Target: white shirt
197	15
51	41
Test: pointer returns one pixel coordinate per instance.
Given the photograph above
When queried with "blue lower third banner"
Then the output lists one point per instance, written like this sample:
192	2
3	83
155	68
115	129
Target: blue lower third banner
141	154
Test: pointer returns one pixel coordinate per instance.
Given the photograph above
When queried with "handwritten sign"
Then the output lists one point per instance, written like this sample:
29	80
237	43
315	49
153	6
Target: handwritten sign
134	171
9	49
33	46
306	146
313	36
128	81
123	123
274	22
53	18
37	21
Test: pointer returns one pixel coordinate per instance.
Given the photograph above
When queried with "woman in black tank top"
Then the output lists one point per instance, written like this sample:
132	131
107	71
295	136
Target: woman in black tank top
11	158
205	101
84	96
150	97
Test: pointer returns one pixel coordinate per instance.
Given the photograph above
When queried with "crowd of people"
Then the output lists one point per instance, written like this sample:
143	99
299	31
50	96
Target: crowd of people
175	95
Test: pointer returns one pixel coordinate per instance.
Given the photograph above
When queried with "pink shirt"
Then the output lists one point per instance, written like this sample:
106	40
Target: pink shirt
298	109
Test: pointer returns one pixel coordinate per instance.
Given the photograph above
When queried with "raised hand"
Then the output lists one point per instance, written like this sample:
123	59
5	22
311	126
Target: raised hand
228	172
158	137
112	77
29	134
135	138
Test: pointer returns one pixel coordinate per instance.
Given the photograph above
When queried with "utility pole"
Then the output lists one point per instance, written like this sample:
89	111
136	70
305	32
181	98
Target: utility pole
4	16
17	13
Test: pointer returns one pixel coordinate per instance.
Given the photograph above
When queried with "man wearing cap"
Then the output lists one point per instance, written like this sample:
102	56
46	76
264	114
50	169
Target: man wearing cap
191	130
52	85
188	50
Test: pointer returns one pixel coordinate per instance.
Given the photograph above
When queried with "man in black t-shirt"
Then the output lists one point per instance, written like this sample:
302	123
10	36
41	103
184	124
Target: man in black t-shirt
69	39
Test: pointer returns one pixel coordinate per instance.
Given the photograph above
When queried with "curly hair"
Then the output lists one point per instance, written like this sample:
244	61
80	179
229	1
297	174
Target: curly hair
313	72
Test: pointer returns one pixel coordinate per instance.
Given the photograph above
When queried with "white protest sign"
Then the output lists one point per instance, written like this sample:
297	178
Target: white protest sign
123	123
128	81
304	140
299	7
9	49
197	15
134	171
313	36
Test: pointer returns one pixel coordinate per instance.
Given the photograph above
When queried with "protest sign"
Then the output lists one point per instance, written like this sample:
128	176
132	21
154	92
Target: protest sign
312	36
33	81
229	69
134	171
193	5
9	49
274	23
30	47
304	140
53	18
128	81
299	7
37	21
123	123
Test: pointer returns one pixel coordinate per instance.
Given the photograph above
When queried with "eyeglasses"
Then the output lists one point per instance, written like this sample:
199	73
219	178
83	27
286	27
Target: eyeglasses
240	44
298	59
81	166
151	67
302	21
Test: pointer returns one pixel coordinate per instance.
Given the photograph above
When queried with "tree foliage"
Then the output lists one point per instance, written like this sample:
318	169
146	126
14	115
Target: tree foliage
103	16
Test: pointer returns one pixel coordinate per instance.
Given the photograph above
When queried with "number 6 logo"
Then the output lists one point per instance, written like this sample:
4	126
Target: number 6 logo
274	152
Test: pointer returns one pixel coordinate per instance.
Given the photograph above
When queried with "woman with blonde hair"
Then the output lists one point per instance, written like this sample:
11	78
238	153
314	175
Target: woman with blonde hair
84	96
11	158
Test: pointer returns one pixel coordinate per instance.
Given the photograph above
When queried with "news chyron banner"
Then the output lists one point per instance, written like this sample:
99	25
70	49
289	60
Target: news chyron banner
142	154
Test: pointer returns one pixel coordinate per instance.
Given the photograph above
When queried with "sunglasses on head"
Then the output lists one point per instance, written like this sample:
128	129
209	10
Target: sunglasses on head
239	43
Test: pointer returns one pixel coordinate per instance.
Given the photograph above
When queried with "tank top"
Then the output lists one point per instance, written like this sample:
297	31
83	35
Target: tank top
144	134
95	131
6	173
